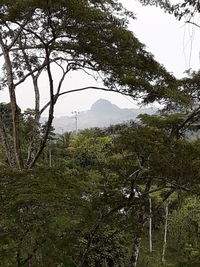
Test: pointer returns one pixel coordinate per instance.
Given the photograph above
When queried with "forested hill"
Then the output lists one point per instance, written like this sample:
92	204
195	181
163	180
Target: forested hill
102	114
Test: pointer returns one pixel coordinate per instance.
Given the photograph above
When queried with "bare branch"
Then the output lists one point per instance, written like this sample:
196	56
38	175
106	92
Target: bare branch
166	196
40	68
157	190
189	118
18	33
61	81
27	48
193	23
83	89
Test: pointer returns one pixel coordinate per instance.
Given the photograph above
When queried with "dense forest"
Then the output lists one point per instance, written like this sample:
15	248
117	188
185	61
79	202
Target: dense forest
94	197
126	195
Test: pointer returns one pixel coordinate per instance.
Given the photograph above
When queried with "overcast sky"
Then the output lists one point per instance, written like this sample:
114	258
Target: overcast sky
174	44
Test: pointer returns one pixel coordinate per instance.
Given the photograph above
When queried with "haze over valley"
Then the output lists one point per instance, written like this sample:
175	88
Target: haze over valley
101	114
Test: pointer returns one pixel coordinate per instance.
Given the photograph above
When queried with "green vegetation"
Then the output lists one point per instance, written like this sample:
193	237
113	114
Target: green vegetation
92	204
55	38
123	196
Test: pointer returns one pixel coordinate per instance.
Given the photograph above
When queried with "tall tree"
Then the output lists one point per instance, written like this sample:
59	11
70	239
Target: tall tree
39	36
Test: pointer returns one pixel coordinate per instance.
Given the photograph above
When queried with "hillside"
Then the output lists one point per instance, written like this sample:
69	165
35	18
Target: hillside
102	114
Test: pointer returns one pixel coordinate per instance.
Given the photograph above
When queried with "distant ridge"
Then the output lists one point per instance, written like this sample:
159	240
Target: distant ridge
102	114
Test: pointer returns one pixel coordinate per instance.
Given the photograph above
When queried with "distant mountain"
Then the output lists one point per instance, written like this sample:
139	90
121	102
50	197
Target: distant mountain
102	114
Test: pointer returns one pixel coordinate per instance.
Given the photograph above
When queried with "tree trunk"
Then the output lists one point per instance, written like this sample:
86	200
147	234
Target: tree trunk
33	140
32	146
150	225
165	234
137	238
51	111
31	150
13	103
7	147
135	251
105	264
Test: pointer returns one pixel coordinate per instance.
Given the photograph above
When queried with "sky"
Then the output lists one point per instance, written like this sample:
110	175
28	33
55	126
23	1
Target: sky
173	43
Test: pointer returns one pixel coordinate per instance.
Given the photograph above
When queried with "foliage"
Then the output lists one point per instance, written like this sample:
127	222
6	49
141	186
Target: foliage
90	207
86	209
65	36
184	233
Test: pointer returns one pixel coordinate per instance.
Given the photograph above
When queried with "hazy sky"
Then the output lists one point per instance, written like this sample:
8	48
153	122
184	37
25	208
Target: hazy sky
174	44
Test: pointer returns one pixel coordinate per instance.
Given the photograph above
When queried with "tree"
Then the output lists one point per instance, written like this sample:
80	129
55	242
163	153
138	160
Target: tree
92	206
180	9
157	162
189	85
43	36
184	232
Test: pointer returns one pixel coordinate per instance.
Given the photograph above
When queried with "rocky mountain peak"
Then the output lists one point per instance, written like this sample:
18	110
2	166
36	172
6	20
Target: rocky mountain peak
104	106
102	114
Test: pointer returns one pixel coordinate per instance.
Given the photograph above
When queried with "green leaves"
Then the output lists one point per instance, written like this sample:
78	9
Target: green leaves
88	207
75	30
184	232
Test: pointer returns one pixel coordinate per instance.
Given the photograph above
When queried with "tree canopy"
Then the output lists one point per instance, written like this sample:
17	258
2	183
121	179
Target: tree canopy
104	189
72	35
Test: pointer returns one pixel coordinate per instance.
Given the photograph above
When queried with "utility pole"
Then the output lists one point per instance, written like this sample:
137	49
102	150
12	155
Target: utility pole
150	224
76	121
